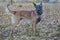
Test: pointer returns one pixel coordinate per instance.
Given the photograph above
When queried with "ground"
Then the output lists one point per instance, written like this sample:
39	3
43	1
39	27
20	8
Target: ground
47	29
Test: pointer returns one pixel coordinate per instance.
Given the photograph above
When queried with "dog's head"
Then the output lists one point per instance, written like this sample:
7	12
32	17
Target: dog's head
38	8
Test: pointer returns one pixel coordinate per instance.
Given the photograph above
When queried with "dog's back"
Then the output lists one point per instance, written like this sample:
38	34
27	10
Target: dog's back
26	14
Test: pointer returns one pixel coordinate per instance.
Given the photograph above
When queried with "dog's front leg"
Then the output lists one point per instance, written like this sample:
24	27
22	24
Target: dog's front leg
33	22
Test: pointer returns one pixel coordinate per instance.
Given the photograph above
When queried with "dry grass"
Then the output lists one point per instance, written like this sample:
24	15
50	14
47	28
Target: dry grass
45	29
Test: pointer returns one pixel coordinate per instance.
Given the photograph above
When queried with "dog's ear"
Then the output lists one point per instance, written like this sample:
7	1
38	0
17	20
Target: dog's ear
41	3
34	4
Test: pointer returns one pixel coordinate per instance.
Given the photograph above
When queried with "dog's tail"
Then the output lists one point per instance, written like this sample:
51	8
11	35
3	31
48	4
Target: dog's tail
10	10
8	7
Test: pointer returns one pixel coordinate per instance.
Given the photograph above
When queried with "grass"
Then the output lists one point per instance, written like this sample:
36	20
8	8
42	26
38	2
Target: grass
45	29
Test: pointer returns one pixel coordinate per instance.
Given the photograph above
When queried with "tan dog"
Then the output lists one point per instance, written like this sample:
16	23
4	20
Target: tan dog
25	14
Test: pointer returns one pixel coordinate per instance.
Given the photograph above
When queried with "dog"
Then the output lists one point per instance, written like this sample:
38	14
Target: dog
34	15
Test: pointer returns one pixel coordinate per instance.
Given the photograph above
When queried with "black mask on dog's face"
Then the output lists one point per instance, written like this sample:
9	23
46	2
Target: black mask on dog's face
38	8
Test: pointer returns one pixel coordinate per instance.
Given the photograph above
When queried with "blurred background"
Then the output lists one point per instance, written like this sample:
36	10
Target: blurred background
47	29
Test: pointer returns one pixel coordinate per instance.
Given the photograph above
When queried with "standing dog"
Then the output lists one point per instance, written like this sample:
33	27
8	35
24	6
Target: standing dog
34	15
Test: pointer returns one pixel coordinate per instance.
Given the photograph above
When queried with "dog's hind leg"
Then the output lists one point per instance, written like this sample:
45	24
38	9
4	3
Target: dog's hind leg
16	21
